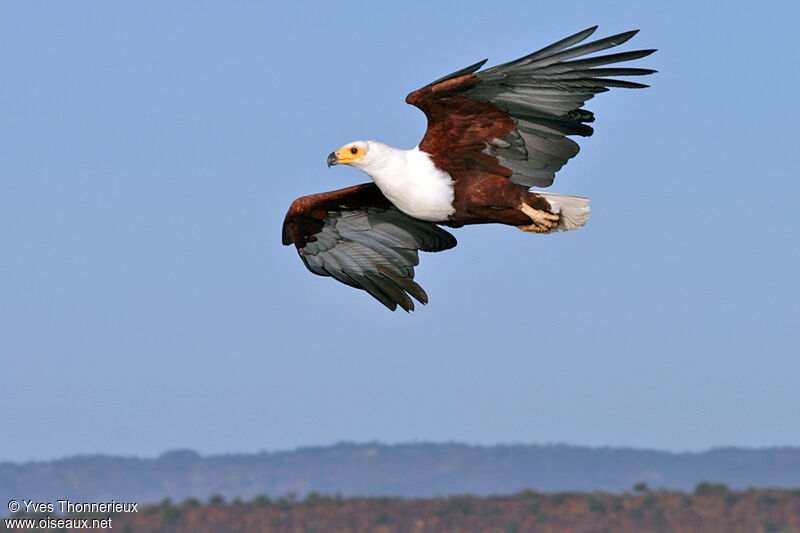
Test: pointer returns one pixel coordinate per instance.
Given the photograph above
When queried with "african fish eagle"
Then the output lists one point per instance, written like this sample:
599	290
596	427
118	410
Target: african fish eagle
492	134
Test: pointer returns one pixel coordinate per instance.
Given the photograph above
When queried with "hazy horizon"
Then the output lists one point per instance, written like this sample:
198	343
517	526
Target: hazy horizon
345	443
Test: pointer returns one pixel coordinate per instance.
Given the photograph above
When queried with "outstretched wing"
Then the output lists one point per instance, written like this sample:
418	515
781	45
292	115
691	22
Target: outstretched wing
358	237
513	119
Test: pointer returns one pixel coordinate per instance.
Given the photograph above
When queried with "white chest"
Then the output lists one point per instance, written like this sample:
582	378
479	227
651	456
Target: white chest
415	186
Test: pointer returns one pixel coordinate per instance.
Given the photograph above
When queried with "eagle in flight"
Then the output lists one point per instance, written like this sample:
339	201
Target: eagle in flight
492	135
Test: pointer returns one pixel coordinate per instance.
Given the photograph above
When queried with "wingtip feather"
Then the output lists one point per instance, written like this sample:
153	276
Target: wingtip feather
585	33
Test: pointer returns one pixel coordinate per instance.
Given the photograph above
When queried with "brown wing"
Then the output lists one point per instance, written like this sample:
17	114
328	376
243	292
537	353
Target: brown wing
513	119
358	237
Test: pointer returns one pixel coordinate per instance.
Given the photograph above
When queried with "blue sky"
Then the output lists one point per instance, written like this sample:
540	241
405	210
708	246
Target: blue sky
148	154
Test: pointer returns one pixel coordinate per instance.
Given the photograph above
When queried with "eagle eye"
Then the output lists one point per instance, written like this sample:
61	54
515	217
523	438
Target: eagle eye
354	151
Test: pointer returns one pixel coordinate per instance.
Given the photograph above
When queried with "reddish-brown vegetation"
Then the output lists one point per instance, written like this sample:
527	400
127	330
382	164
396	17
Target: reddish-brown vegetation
711	509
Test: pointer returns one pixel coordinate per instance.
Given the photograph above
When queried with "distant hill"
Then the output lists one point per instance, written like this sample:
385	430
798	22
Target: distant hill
408	470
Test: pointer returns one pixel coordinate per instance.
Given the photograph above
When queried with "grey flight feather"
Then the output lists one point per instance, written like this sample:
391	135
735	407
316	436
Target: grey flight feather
375	249
544	93
457	74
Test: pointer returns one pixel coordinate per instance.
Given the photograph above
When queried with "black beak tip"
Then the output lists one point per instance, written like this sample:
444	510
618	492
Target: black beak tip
333	159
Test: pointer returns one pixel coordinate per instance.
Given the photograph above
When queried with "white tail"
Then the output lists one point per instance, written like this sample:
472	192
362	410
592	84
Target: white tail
574	210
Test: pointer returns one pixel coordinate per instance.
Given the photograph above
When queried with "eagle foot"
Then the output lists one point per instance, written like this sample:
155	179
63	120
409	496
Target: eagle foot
542	220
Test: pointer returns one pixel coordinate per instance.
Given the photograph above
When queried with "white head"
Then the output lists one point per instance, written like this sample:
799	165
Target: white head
363	155
408	178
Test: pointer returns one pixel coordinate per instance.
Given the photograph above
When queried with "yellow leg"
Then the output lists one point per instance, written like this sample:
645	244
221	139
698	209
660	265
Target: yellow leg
542	220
